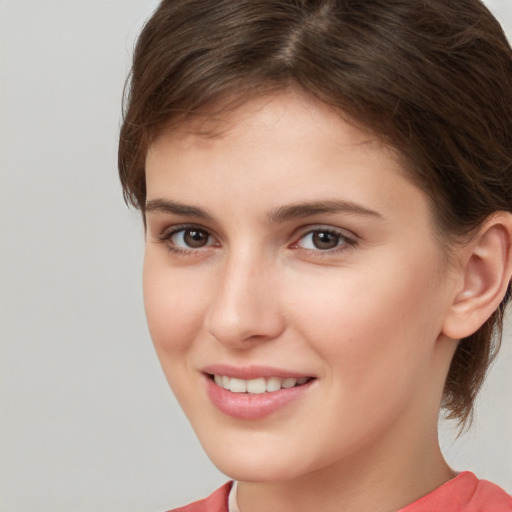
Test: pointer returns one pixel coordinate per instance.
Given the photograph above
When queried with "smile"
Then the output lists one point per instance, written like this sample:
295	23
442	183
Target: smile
259	385
255	397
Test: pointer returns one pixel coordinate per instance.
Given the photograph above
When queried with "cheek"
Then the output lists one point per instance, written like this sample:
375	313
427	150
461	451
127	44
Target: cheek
173	305
373	326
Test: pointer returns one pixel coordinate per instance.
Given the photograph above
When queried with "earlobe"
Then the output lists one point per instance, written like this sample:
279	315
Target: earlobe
487	270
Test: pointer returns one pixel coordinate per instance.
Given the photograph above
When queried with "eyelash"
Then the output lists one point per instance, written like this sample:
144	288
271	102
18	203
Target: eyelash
166	237
344	241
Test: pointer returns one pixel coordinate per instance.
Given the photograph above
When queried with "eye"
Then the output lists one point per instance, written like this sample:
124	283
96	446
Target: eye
188	238
323	240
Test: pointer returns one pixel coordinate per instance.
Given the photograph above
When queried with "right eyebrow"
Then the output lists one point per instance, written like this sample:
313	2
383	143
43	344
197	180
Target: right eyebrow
166	206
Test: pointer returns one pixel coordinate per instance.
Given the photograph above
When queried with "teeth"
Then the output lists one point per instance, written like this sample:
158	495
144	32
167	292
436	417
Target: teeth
238	385
289	382
273	384
256	386
259	385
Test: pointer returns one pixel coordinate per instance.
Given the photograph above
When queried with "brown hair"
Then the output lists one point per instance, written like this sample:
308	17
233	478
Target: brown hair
432	78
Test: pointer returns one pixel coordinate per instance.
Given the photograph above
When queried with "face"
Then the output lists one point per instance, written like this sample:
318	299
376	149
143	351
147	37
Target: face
294	289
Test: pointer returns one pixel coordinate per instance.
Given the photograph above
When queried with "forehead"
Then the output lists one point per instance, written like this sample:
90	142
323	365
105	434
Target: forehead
281	122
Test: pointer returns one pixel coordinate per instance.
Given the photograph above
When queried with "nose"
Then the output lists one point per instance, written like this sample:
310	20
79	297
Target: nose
245	305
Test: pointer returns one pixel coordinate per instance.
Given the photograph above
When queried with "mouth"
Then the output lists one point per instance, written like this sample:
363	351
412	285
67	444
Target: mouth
259	385
255	392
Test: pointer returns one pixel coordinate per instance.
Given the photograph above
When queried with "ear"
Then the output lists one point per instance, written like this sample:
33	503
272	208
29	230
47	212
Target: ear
486	266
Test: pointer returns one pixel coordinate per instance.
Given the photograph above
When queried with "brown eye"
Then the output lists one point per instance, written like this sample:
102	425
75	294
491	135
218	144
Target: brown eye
191	238
195	238
325	240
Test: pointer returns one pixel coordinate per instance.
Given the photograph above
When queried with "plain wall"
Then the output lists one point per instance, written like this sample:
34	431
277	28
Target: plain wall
87	420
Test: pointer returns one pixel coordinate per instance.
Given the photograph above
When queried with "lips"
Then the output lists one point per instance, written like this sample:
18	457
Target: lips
253	393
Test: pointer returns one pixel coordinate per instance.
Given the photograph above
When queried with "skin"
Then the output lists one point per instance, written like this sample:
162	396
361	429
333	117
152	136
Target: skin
366	318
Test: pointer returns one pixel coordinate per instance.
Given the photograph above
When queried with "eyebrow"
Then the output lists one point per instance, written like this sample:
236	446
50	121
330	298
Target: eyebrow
307	209
277	215
166	206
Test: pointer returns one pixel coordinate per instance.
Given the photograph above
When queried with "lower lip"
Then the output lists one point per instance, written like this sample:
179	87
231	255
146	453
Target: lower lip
252	407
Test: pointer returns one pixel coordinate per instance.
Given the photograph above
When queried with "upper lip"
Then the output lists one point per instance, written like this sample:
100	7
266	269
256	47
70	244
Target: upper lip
252	371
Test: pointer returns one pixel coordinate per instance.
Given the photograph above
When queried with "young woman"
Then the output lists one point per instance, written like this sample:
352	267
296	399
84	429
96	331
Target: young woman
326	188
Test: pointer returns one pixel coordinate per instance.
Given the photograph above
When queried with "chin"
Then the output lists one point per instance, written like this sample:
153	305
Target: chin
256	471
255	462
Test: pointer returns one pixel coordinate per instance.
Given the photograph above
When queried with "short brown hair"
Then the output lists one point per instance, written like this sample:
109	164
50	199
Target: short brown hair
432	78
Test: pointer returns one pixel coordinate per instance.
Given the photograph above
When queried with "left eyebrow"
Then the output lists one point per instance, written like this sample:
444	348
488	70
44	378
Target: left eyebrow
307	209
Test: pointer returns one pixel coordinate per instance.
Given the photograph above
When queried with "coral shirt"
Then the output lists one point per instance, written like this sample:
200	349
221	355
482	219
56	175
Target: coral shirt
464	493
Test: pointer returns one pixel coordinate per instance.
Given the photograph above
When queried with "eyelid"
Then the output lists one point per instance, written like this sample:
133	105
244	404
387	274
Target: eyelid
172	229
349	239
166	235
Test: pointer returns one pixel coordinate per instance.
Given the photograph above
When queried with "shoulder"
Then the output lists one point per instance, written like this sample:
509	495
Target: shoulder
216	502
489	497
464	493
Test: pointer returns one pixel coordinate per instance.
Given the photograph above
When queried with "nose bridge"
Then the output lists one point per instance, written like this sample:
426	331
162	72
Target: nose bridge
244	306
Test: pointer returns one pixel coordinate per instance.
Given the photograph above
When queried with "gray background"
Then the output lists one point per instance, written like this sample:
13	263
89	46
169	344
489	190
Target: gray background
87	421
